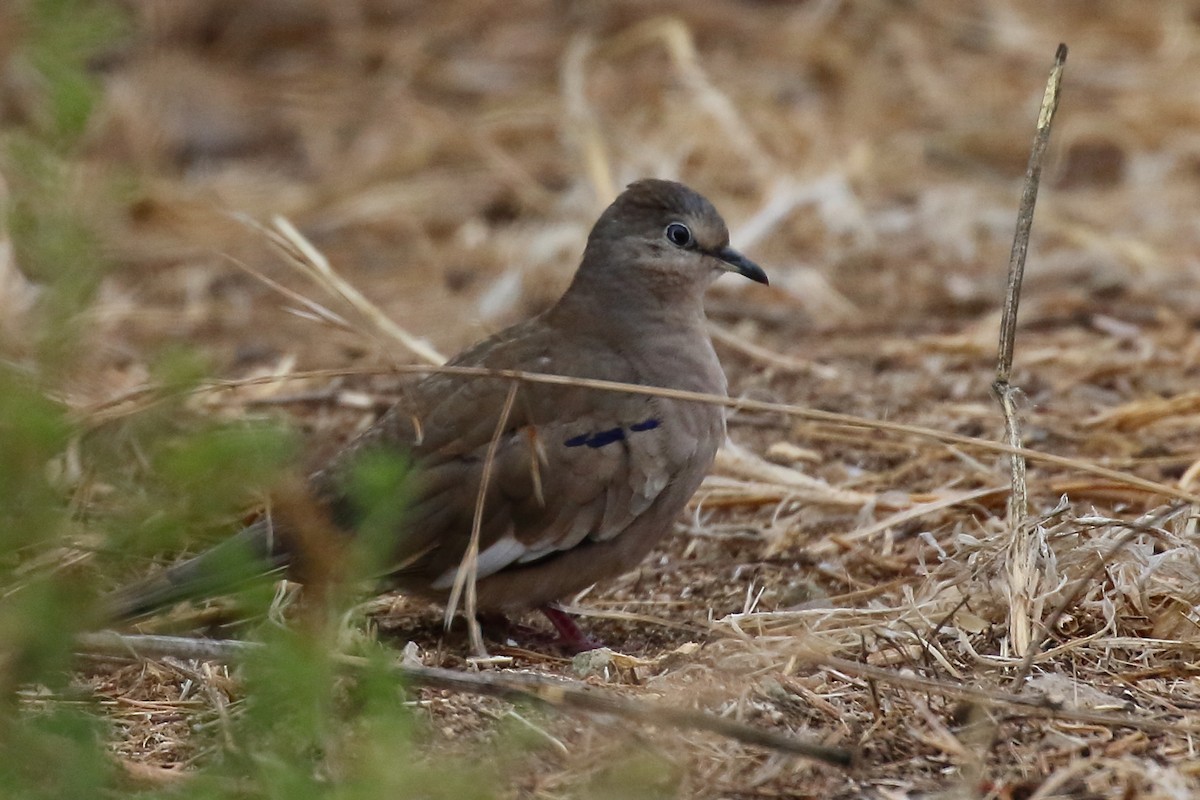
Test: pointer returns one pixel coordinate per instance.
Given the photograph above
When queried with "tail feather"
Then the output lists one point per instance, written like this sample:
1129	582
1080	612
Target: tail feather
251	553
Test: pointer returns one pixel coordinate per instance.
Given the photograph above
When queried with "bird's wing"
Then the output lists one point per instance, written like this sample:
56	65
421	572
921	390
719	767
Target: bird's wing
571	463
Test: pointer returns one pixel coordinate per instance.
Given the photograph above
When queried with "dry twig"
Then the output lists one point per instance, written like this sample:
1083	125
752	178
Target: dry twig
508	686
831	418
1024	577
469	567
300	254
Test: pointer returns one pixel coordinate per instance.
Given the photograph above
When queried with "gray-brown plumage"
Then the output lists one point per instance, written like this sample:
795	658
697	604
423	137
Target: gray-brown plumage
584	482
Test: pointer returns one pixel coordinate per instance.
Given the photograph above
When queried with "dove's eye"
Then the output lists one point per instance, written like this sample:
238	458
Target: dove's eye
679	235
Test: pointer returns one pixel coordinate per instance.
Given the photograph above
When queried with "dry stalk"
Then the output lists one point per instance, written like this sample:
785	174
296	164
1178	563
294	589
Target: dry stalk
314	264
1024	544
300	254
831	418
309	308
508	686
469	566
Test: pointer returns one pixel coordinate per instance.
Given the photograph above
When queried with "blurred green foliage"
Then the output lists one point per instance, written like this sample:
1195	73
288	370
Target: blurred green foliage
303	728
61	36
378	489
142	485
33	431
145	485
52	241
44	604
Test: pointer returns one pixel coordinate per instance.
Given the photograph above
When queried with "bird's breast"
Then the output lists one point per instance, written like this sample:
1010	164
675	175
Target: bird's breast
679	359
685	360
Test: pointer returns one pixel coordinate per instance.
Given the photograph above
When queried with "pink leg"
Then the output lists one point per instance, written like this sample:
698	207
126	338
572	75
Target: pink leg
570	637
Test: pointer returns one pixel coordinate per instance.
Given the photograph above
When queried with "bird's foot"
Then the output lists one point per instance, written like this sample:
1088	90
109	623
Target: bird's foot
571	637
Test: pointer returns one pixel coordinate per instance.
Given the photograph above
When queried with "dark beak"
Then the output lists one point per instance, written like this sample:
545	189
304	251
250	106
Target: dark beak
733	261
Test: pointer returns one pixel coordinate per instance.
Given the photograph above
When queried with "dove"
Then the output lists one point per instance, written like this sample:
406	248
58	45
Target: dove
581	482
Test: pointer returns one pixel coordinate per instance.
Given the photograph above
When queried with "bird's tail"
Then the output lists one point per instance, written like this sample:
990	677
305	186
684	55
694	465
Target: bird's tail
252	553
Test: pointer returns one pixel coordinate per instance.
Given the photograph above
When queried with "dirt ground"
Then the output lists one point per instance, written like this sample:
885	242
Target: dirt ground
448	158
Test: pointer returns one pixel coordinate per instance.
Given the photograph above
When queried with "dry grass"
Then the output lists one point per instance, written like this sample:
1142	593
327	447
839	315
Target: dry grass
447	159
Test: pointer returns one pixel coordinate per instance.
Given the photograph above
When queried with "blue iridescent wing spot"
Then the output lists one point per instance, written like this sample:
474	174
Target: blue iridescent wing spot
606	437
602	438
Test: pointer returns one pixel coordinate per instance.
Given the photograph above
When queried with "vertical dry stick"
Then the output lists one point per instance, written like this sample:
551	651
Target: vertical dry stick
1021	559
468	568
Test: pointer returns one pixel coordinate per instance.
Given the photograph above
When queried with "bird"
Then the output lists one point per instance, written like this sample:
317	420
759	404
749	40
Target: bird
578	484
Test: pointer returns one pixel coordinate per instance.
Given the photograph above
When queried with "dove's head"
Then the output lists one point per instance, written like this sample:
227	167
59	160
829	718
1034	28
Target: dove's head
661	240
